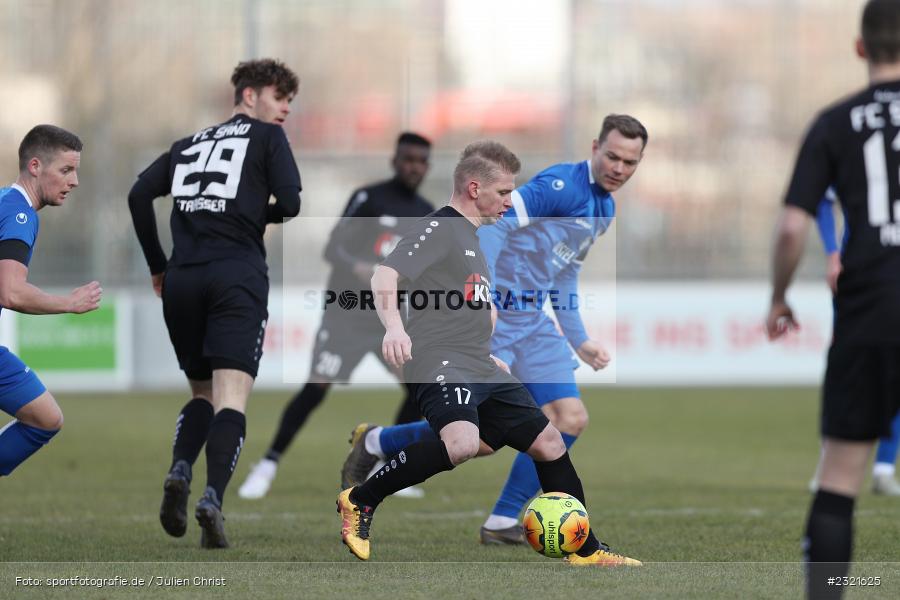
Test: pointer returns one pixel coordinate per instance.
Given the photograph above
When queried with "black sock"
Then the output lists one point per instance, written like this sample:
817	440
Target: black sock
560	476
408	411
223	446
191	429
414	464
828	543
294	416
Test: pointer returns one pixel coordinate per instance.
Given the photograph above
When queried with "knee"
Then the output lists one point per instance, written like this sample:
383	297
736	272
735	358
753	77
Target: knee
462	449
548	446
53	420
571	419
49	418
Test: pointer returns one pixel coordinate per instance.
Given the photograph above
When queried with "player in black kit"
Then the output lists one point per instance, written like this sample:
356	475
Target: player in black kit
474	405
369	229
852	146
215	285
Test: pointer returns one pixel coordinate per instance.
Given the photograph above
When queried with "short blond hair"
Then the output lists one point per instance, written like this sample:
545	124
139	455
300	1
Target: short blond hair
483	161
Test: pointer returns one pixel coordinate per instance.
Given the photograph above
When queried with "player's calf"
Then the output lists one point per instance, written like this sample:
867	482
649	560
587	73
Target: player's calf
568	415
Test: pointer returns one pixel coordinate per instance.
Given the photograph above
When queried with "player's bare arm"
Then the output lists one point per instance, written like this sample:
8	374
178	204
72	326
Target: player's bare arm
19	295
790	238
500	363
833	270
396	347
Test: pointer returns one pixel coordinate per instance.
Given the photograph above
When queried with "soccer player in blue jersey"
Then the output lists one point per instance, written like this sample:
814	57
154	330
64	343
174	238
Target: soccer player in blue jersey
883	469
557	215
48	171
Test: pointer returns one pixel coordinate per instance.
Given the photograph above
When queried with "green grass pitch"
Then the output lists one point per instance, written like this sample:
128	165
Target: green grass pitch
707	486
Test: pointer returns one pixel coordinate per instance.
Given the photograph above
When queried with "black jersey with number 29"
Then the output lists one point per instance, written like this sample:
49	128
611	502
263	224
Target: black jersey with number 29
854	146
221	179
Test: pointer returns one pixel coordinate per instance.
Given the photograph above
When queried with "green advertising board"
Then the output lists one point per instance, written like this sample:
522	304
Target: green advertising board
68	342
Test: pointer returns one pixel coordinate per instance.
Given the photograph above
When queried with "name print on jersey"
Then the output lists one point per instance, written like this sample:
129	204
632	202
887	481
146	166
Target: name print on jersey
222	155
883	212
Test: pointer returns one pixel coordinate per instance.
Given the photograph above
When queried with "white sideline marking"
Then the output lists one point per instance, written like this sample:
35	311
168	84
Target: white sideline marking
231	516
686	511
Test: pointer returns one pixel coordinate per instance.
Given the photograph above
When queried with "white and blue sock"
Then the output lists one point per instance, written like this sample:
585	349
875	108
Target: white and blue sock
395	438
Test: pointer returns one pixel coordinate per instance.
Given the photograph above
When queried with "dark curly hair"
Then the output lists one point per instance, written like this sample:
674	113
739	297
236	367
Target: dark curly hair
260	73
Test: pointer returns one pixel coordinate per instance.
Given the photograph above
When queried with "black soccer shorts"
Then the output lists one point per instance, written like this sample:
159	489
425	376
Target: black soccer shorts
216	315
341	343
458	389
861	394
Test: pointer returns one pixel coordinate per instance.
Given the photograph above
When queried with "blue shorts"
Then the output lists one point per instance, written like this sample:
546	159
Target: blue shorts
537	354
18	384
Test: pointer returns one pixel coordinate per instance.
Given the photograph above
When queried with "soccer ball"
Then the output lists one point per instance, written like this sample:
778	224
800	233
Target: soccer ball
556	524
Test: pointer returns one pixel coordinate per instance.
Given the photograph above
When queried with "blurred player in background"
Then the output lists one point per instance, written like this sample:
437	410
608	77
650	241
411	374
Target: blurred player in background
369	229
472	403
215	286
850	146
556	217
883	469
49	158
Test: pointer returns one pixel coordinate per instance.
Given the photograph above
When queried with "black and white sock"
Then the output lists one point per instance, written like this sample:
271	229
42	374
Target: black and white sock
294	416
414	464
828	543
560	476
191	430
223	447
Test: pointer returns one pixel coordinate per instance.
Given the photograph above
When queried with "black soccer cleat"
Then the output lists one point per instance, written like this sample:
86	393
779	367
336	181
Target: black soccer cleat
360	461
212	522
495	537
176	489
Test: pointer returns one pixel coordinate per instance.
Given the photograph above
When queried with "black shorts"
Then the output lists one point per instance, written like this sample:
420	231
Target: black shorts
342	342
861	394
497	402
216	314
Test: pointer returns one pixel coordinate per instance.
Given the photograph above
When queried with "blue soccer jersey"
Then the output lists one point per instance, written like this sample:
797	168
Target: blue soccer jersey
535	254
18	221
826	225
538	247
